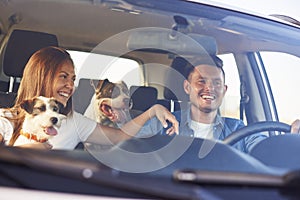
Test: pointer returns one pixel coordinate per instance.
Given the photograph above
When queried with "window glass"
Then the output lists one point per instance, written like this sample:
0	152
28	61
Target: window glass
96	66
283	72
231	102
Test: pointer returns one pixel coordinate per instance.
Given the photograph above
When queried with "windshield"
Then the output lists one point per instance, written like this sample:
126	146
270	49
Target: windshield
170	93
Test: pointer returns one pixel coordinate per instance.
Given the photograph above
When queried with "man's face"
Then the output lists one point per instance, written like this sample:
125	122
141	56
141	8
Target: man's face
206	88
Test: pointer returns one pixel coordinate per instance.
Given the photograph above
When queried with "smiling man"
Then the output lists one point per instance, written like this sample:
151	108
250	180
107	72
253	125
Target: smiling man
205	86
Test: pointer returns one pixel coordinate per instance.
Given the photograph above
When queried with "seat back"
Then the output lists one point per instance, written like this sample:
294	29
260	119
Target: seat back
143	97
174	94
83	94
20	46
7	99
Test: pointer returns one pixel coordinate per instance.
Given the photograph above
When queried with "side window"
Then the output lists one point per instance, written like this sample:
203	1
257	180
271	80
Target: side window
231	102
96	66
283	72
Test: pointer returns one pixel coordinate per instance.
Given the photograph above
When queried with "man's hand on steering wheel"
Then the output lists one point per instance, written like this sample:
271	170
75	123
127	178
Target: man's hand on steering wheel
295	126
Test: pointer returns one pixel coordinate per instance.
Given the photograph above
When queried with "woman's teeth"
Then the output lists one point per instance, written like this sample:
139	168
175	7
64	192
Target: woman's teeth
64	94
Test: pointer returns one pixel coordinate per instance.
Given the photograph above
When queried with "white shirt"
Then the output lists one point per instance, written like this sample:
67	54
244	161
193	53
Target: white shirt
6	127
74	129
202	130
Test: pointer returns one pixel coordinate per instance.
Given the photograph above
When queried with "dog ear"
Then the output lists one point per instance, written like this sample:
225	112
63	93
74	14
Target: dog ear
101	84
27	105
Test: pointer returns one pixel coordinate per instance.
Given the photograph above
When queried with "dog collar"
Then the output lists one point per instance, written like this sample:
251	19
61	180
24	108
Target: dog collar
33	137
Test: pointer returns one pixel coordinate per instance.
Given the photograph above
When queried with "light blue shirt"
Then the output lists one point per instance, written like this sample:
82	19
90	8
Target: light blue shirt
222	127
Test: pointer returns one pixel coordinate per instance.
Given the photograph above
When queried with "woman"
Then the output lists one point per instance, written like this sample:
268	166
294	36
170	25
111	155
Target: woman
50	72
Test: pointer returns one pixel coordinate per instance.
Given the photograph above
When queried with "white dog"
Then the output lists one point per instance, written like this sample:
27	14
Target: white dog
42	119
110	104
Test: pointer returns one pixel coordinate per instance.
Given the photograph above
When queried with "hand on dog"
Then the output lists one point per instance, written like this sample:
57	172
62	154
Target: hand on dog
165	116
38	145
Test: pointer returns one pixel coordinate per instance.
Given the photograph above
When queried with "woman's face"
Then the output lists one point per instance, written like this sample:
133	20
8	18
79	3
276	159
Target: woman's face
63	87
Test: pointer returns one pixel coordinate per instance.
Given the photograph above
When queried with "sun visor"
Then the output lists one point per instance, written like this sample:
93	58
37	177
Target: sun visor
170	41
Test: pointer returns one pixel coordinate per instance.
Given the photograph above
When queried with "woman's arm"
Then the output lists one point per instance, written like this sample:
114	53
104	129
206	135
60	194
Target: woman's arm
107	135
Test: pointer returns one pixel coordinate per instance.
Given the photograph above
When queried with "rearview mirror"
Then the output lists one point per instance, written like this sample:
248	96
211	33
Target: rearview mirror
168	40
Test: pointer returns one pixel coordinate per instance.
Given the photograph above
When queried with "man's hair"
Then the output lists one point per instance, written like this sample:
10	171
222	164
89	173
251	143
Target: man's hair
211	60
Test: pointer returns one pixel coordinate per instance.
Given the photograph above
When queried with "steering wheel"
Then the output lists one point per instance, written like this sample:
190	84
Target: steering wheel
256	128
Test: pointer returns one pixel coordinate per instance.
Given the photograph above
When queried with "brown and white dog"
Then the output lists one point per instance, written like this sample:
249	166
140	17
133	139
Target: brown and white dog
42	119
110	104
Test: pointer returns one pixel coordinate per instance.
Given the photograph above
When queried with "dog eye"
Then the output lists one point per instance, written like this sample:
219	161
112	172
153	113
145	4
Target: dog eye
55	109
41	108
115	92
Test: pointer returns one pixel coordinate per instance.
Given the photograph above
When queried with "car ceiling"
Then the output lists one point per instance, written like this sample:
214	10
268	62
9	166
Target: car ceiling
74	22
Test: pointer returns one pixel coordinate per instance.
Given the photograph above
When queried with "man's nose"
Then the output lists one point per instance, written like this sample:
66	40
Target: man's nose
209	85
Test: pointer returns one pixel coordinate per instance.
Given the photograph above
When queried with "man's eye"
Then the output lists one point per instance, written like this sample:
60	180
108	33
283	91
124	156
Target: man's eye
217	83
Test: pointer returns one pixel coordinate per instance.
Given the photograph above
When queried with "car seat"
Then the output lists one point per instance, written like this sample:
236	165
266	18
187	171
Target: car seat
20	46
143	97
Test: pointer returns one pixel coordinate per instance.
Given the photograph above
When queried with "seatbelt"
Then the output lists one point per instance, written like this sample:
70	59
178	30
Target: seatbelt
244	98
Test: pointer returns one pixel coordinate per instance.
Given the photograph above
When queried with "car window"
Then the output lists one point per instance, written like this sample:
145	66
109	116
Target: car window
231	102
283	72
97	66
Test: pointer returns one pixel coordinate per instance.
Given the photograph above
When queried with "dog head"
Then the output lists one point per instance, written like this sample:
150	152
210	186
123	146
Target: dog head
42	116
112	101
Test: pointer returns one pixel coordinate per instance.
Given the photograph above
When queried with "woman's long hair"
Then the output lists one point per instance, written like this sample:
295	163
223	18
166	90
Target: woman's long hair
38	78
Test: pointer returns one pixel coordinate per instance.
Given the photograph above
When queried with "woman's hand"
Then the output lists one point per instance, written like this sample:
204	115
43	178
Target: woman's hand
37	145
165	116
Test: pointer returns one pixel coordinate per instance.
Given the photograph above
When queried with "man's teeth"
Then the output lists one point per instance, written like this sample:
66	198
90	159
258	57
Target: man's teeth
208	97
64	94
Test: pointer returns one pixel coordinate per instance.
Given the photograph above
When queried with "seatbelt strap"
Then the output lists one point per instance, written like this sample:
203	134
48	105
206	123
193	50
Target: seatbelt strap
244	98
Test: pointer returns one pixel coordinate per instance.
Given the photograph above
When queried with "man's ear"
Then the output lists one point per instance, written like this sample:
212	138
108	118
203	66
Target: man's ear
225	88
187	86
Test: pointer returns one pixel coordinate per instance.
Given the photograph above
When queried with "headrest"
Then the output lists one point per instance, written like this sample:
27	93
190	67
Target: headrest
174	81
20	46
143	97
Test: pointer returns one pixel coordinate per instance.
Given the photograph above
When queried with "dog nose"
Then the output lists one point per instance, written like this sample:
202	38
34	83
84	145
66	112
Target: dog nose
54	120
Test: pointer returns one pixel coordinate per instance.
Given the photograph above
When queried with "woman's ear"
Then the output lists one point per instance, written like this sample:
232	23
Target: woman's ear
186	86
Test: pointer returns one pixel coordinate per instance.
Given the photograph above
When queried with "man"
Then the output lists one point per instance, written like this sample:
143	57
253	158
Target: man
205	85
